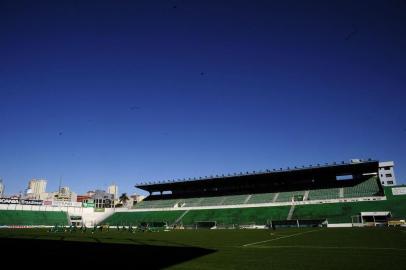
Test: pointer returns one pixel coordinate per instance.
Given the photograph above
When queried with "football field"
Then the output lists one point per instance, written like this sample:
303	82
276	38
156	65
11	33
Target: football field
313	248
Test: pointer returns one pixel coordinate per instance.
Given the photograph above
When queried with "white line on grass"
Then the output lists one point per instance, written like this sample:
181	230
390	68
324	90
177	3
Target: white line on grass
282	237
333	247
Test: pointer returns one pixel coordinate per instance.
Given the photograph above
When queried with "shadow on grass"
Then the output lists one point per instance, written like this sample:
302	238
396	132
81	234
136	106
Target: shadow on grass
95	254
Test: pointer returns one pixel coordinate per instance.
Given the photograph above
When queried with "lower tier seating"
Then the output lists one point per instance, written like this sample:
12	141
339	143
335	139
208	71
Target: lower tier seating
29	218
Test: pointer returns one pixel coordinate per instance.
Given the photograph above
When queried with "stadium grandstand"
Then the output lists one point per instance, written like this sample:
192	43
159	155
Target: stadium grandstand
355	193
339	194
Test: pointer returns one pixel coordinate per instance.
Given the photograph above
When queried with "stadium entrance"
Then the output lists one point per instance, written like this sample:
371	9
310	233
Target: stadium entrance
375	218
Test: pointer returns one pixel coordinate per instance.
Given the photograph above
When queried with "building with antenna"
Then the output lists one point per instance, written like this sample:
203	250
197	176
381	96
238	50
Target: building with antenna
65	194
113	189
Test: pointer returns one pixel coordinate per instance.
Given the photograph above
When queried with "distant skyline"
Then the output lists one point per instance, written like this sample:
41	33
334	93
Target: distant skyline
134	91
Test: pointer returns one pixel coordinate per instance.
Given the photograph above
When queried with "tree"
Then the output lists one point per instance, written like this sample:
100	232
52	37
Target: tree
124	198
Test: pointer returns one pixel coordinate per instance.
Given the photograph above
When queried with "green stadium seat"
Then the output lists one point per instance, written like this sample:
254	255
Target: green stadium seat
237	199
261	198
324	194
134	218
157	204
340	212
367	188
32	218
250	215
288	196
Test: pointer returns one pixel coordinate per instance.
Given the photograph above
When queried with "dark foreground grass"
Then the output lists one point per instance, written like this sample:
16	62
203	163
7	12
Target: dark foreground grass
347	248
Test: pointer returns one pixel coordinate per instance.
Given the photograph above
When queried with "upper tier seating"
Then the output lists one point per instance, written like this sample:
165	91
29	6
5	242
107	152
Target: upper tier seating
367	188
261	198
289	196
324	194
157	204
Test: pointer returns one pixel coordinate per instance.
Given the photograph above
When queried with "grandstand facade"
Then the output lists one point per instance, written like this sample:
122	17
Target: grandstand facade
332	193
338	194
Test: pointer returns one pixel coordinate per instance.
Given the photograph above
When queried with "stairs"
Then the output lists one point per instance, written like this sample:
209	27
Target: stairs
276	197
247	199
180	217
292	209
306	195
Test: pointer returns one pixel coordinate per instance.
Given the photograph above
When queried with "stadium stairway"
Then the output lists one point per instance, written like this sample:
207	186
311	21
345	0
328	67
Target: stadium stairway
248	198
291	210
179	219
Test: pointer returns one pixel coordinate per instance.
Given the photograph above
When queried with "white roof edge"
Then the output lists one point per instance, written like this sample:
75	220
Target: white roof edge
386	163
379	213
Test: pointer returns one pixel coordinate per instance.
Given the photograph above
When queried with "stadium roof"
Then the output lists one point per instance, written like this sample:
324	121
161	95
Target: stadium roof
331	169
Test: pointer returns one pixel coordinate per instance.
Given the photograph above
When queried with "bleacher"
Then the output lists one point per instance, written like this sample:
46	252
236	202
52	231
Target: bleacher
134	218
28	218
191	202
289	196
210	201
367	188
237	199
157	204
324	194
333	212
258	215
261	198
342	212
305	194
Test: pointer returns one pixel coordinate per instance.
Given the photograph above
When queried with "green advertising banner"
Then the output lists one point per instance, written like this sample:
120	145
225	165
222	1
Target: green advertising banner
88	204
99	209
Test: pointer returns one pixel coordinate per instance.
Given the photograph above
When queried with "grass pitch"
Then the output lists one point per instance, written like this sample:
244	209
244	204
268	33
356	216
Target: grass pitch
313	248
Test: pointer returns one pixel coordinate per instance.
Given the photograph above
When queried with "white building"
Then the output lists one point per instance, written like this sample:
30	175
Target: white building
1	188
386	173
103	199
113	189
63	195
36	187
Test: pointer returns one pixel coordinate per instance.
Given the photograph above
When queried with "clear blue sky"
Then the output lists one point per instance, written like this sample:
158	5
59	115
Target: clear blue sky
131	91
